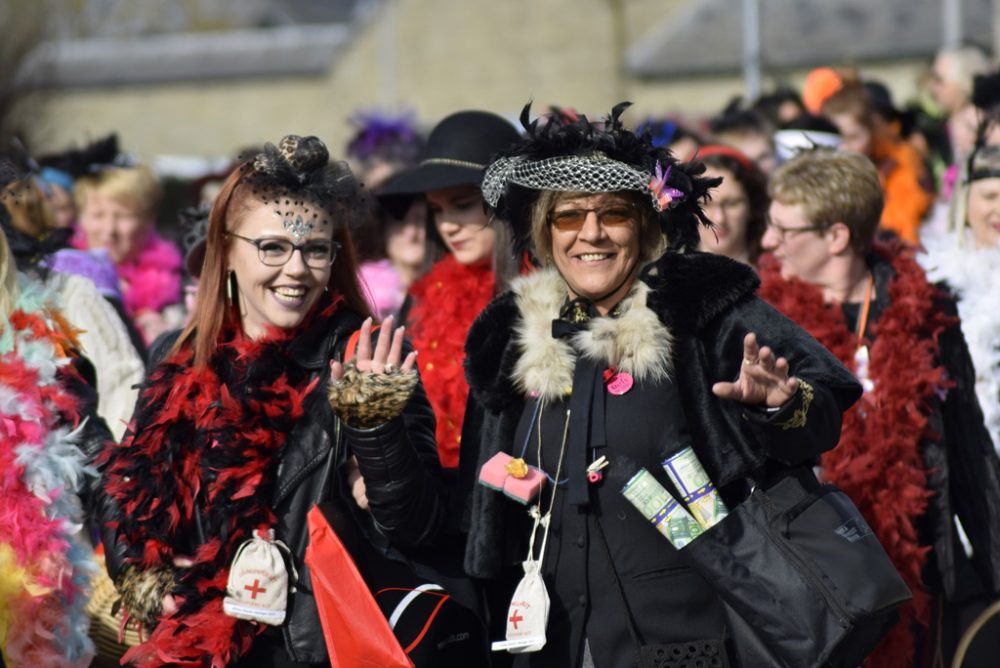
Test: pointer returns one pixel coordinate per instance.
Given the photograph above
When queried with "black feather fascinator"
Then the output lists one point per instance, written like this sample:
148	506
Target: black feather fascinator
571	153
298	173
8	172
91	159
29	251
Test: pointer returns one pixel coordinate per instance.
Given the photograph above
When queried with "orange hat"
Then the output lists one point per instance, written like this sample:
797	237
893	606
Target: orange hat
820	84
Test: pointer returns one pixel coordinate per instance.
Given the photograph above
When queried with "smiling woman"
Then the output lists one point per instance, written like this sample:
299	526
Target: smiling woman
444	302
967	257
597	241
117	214
276	287
738	208
255	416
618	354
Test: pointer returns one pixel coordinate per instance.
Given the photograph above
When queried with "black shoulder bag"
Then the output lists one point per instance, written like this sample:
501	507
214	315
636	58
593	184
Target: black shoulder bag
804	580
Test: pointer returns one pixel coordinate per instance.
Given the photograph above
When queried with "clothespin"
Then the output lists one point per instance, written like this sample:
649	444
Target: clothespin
594	474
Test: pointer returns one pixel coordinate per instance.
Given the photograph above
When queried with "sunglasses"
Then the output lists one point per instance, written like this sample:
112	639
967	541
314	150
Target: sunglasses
572	220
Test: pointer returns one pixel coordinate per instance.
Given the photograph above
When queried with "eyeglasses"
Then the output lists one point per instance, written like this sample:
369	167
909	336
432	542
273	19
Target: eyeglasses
784	231
275	252
572	220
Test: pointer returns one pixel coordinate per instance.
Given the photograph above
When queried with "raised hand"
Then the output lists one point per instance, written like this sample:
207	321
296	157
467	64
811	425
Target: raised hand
385	358
763	379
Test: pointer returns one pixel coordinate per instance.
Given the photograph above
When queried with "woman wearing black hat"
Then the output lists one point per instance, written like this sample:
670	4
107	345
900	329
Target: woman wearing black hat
616	355
447	299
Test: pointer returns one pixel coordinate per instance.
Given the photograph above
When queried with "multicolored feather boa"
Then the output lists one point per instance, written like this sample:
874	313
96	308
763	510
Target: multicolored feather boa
878	461
45	560
208	441
447	299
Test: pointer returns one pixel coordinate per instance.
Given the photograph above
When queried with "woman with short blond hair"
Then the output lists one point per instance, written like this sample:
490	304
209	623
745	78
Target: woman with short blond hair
117	212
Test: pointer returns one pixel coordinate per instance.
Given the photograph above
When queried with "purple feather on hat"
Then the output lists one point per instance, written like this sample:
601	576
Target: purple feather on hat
383	136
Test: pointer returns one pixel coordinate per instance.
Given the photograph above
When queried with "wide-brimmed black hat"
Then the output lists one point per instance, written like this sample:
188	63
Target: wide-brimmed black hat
458	151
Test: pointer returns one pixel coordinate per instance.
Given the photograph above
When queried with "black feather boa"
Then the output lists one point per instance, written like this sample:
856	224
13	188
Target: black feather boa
207	441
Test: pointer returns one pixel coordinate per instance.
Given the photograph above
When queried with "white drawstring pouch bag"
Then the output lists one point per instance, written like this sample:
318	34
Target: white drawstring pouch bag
258	584
528	614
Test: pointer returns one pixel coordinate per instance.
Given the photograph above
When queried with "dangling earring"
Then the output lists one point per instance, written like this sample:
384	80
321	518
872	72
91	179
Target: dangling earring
230	280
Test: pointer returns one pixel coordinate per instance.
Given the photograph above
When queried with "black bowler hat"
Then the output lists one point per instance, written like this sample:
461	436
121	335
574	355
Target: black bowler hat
458	151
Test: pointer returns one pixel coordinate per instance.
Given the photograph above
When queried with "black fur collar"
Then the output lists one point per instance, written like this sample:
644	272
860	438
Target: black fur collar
688	291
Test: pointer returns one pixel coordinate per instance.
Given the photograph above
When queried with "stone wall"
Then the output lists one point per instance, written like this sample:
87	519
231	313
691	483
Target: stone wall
431	56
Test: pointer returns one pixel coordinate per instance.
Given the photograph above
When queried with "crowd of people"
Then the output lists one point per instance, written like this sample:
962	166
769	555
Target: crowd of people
471	343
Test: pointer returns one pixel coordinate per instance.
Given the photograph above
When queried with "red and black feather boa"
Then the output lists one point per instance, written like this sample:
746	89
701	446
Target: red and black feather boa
205	440
446	301
877	462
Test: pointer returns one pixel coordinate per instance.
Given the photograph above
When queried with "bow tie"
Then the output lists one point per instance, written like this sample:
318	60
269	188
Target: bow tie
575	314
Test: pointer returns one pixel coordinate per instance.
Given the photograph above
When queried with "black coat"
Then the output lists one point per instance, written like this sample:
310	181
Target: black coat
398	461
708	304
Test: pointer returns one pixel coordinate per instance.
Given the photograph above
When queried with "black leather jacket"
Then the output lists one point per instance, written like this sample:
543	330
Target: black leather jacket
397	459
94	434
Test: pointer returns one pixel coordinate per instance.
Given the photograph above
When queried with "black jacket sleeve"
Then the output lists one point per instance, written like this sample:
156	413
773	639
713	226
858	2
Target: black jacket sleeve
80	381
399	463
809	424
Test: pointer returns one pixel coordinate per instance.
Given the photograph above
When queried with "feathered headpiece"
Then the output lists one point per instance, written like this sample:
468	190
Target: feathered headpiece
576	155
95	157
8	172
29	251
298	173
381	136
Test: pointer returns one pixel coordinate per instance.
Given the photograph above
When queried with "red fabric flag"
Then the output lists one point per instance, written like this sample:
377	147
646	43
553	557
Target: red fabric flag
355	629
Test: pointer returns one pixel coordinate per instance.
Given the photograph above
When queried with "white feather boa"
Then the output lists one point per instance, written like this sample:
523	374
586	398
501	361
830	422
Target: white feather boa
974	276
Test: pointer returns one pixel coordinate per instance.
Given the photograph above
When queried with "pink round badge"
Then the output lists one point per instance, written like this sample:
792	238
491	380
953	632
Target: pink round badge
620	383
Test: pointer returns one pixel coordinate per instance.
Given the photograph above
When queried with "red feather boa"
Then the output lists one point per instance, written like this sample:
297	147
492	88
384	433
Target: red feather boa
209	440
446	301
878	462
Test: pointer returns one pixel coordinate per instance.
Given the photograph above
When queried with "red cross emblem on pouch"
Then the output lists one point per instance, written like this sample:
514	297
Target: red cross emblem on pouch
515	618
255	589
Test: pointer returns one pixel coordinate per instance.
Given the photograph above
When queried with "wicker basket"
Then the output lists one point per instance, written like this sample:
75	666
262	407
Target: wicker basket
105	627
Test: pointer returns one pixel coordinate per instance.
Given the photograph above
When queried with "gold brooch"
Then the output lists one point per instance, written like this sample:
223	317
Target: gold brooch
517	468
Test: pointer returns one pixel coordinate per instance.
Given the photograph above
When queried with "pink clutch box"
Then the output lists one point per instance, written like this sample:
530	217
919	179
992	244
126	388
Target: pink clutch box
494	475
494	472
